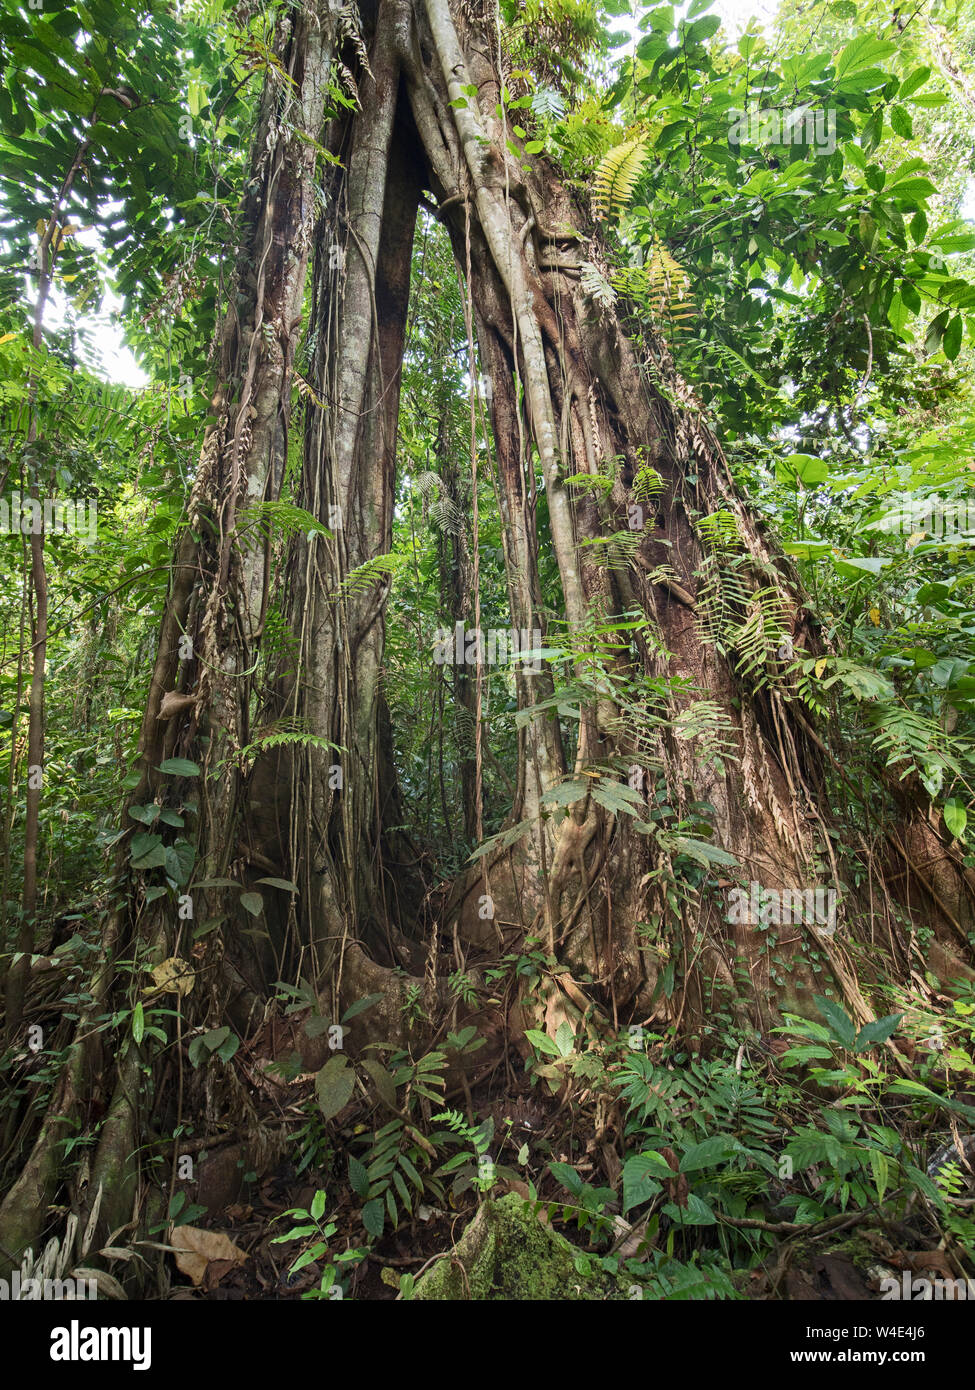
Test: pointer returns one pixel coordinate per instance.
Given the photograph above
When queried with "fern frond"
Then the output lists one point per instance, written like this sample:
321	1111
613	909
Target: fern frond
616	177
379	569
448	516
594	284
615	552
262	520
647	484
287	733
350	29
662	283
307	391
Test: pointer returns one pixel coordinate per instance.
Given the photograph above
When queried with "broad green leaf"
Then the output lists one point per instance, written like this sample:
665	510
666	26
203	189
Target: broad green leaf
841	1025
877	1032
639	1183
334	1085
956	816
374	1217
542	1042
179	767
709	1153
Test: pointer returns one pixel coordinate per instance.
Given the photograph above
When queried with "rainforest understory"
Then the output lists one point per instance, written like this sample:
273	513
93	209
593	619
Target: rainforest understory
499	768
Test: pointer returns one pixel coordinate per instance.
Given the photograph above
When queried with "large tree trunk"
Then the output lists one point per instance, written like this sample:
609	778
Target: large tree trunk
720	612
591	408
200	693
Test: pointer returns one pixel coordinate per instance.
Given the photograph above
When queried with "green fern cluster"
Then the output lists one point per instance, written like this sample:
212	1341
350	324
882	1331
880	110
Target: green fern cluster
615	177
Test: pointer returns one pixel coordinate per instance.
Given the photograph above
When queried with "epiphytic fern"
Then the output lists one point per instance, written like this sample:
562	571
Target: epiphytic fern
442	510
670	289
647	484
757	640
446	514
428	484
594	284
465	729
616	177
746	622
261	521
615	552
350	30
707	725
287	733
662	284
306	390
548	104
380	569
720	531
591	482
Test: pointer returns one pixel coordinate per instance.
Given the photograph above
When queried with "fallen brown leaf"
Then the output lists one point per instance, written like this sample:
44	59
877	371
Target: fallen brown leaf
196	1248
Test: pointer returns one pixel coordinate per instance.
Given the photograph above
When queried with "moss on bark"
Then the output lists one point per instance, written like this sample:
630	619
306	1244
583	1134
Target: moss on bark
508	1253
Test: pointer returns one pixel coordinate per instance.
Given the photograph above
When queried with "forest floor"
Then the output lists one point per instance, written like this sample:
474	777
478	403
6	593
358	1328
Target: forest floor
847	1263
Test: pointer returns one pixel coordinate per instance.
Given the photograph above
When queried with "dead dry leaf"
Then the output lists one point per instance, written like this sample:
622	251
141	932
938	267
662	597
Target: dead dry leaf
108	1286
195	1249
174	976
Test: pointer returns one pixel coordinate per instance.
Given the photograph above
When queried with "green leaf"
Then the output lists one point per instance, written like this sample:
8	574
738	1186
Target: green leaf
841	1025
703	852
936	328
950	242
901	123
374	1216
334	1085
696	1213
807	468
283	883
252	903
179	767
911	83
358	1177
898	313
542	1042
147	852
317	1209
709	1153
956	816
951	341
863	52
359	1006
138	1023
855	566
919	230
385	1085
567	1176
639	1182
912	190
876	1032
180	859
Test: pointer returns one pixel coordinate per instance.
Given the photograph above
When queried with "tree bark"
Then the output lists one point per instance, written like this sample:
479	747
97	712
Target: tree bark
199	687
